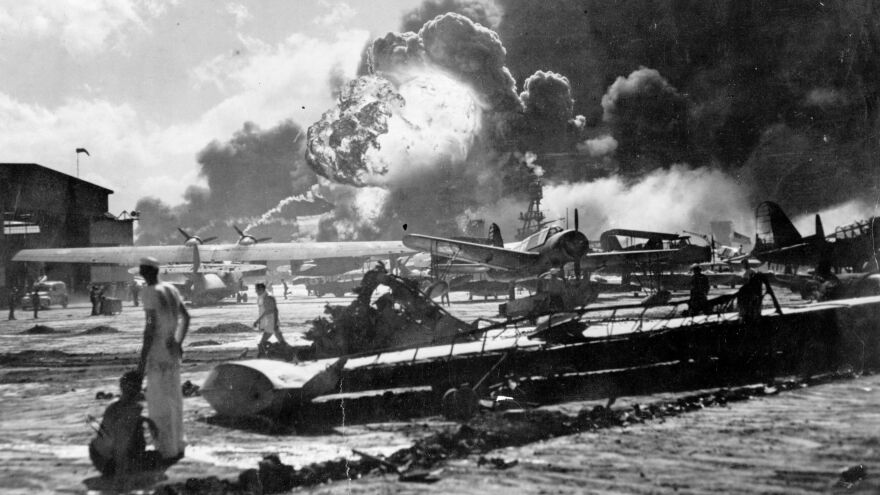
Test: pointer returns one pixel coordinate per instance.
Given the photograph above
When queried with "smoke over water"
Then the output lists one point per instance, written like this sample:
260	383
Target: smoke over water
680	198
246	178
657	117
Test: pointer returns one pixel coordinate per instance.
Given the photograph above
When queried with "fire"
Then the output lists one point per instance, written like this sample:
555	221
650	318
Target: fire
381	133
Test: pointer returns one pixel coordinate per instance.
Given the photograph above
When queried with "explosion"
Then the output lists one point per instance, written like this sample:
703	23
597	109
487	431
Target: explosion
380	133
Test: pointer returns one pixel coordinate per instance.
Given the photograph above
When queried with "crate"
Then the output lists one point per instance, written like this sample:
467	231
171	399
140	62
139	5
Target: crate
111	306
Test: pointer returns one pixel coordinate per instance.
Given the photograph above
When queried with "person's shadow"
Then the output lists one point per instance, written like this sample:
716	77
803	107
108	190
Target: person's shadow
134	481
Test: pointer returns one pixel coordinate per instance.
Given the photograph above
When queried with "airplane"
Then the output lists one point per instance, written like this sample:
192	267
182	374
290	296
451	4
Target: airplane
853	247
548	248
851	252
214	257
554	247
207	283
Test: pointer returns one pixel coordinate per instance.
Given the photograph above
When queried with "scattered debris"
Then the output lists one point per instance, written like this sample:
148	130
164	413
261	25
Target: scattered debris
203	343
38	330
190	389
421	476
226	328
851	476
99	330
104	395
484	433
496	462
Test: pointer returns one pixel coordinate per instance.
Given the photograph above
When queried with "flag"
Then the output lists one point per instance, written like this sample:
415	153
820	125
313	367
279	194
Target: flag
741	239
82	150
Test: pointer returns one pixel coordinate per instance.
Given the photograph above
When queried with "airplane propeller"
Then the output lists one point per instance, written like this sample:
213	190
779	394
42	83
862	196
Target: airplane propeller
194	239
247	239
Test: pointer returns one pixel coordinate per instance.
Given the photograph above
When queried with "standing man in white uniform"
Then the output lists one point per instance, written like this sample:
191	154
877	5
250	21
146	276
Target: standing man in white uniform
267	322
161	356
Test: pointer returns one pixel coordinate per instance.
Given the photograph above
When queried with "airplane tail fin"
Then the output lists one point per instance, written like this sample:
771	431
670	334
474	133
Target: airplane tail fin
495	236
773	228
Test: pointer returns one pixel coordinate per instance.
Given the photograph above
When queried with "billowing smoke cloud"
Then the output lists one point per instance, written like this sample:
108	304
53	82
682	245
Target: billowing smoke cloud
747	69
548	123
422	126
246	178
484	13
665	200
648	118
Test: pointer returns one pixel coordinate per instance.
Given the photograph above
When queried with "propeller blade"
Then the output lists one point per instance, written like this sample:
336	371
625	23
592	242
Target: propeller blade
208	239
264	239
576	226
238	230
185	234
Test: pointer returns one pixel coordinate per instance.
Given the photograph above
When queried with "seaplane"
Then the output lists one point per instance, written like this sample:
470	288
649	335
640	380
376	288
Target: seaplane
211	259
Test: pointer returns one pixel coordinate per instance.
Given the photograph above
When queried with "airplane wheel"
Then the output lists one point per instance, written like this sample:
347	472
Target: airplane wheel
459	404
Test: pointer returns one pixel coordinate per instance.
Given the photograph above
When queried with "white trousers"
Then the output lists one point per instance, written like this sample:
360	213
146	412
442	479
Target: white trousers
165	407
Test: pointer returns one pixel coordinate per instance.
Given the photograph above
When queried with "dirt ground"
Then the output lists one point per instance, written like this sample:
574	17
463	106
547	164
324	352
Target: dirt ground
796	441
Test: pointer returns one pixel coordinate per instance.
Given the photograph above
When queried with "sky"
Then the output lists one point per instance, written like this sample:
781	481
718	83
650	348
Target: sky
144	85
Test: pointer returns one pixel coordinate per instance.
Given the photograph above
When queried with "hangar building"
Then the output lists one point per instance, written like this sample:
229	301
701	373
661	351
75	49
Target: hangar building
44	208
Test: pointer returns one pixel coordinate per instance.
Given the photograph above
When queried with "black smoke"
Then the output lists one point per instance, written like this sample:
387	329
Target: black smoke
246	176
746	73
484	13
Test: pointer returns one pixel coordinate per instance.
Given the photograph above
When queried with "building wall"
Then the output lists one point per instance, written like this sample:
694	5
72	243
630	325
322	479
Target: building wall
70	213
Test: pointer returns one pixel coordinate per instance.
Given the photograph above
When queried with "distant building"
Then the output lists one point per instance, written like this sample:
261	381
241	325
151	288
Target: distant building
44	208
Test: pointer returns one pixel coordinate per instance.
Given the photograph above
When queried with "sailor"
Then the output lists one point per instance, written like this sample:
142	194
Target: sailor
93	297
748	273
35	301
120	447
135	292
167	322
267	322
698	302
13	299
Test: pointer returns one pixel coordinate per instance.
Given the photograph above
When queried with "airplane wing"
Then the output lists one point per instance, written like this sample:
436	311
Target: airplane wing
300	250
495	257
130	255
218	268
685	255
122	255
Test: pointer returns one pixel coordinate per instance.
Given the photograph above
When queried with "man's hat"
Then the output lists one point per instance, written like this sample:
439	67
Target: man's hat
695	267
149	261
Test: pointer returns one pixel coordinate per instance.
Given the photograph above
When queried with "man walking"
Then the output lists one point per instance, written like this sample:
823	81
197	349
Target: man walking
699	292
13	300
267	322
35	300
161	356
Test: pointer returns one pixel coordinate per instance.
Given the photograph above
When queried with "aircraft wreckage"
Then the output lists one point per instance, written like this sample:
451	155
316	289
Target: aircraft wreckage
579	346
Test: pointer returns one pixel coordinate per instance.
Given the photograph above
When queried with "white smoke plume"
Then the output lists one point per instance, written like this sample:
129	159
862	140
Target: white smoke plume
597	147
308	197
839	215
664	200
